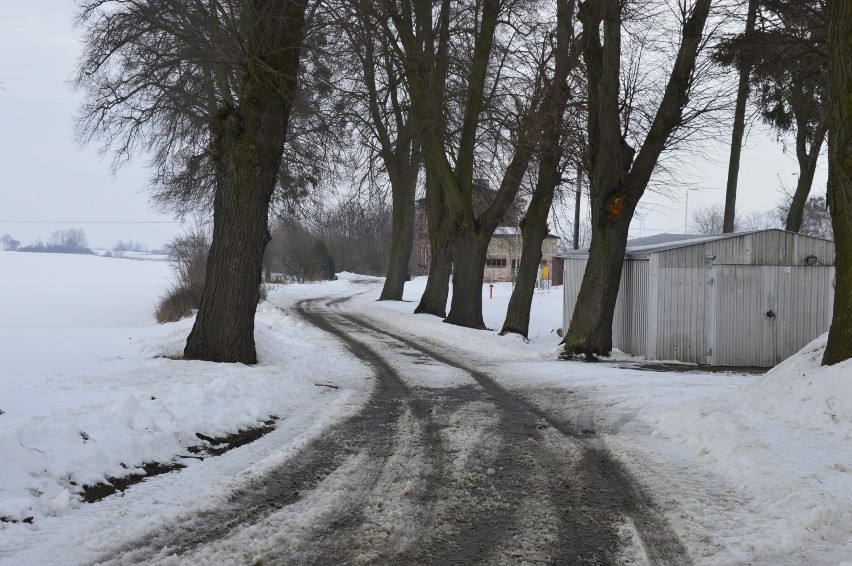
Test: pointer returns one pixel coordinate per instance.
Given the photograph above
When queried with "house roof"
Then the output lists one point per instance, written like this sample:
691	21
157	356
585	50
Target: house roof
514	231
663	242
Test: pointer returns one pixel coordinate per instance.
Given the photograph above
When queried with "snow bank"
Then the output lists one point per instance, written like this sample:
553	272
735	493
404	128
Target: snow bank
783	441
88	390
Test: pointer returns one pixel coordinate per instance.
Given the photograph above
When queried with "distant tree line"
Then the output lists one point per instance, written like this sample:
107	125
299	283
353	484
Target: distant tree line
120	247
815	219
69	241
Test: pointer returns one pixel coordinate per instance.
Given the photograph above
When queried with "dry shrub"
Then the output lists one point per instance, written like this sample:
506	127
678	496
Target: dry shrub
178	303
189	256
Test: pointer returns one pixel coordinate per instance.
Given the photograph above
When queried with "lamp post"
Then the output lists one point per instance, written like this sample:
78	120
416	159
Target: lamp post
686	208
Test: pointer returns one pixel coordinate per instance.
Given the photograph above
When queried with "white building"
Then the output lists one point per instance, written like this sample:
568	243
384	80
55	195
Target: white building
744	299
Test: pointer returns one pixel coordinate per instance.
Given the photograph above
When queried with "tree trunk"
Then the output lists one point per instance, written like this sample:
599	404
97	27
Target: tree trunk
807	169
246	144
403	185
534	224
590	331
469	250
533	232
738	132
224	327
434	298
578	195
618	175
839	347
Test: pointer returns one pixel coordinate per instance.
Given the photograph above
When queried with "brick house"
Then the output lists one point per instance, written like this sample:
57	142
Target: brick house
504	250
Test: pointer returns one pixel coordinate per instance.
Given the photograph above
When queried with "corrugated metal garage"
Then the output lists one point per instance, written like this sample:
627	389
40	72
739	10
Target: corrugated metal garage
745	299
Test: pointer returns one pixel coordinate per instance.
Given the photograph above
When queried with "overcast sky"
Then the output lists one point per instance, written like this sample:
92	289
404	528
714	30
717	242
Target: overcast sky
47	182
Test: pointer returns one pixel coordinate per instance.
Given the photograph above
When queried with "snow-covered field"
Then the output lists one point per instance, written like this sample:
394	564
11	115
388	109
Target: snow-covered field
749	469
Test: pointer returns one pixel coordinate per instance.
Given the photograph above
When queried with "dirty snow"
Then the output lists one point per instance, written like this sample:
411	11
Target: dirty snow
750	469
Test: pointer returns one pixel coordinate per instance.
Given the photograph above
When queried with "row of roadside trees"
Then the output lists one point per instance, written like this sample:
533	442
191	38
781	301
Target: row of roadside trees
252	105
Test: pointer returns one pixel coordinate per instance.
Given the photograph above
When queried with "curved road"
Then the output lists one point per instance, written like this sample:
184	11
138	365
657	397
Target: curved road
442	466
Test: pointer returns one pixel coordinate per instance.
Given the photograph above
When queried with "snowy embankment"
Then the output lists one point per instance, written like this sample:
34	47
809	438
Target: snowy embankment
88	390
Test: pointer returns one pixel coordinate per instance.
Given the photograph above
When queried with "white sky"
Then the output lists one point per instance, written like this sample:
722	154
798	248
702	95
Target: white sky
764	166
49	183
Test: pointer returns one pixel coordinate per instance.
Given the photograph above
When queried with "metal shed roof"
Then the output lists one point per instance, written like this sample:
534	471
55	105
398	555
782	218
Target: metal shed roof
639	247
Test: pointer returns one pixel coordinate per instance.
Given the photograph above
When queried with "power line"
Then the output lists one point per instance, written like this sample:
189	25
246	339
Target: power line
91	221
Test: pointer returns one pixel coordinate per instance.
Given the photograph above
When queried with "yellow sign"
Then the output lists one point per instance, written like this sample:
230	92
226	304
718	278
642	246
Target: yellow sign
545	271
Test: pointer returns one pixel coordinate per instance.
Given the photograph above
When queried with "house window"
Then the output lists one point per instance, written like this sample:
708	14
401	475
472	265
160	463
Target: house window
423	257
495	262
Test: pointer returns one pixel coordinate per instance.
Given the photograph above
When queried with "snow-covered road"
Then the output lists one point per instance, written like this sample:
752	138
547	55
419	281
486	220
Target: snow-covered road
442	466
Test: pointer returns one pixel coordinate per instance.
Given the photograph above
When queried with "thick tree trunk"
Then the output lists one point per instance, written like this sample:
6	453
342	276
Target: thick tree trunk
839	347
434	298
738	132
246	144
619	176
533	232
403	187
469	250
224	327
590	331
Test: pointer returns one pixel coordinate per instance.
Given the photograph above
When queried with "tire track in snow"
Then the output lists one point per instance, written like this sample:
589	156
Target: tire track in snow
607	492
468	474
370	432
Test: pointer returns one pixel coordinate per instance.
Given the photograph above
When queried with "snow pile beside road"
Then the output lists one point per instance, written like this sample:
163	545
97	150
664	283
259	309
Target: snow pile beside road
88	390
803	393
783	440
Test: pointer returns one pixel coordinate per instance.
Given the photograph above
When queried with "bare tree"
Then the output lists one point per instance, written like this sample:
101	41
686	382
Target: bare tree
459	60
208	86
382	115
298	253
534	226
710	220
619	173
839	347
70	239
358	235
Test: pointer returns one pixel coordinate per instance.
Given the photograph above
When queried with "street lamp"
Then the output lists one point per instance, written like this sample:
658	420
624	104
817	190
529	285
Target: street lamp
686	208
